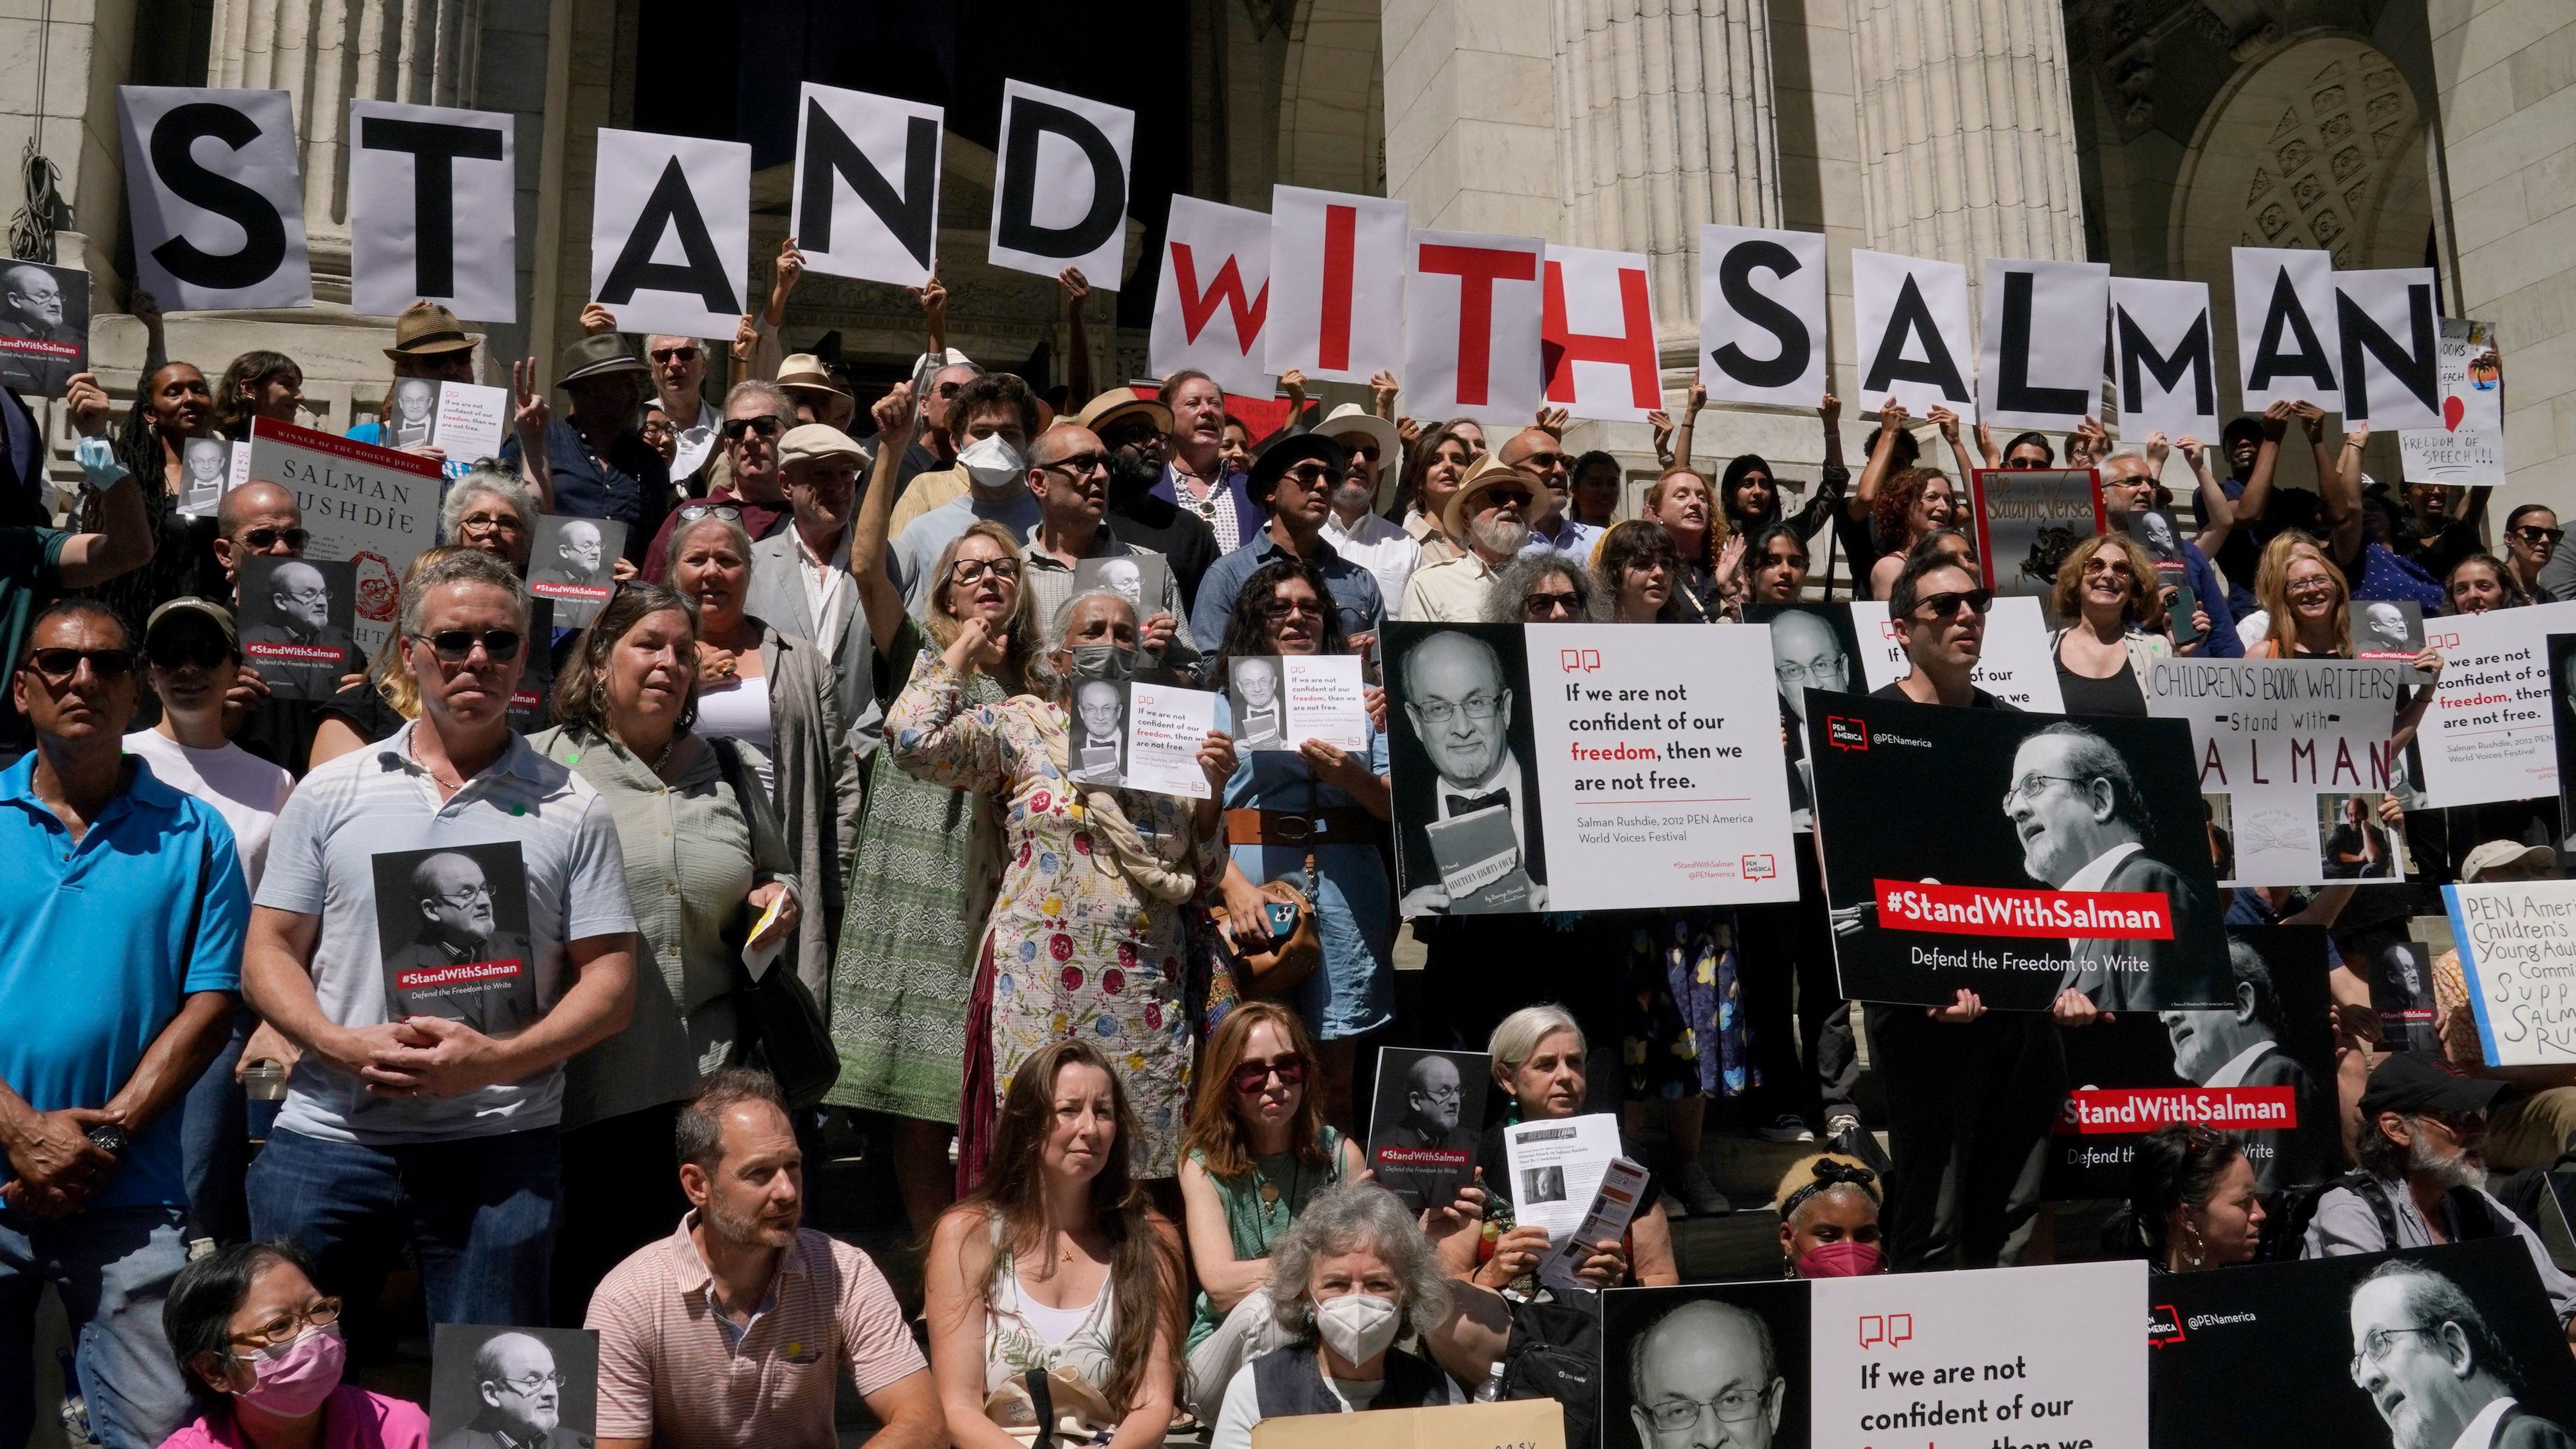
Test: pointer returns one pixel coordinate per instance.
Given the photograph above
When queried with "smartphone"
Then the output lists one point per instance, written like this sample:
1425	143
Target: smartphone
1283	921
2179	610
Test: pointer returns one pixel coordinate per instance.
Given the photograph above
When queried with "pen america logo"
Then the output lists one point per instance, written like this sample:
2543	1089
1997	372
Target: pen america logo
1846	733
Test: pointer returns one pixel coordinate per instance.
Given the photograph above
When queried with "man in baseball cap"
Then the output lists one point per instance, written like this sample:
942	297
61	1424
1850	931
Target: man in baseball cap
1292	480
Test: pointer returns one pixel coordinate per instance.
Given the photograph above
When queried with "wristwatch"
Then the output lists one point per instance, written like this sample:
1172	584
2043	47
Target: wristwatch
109	1138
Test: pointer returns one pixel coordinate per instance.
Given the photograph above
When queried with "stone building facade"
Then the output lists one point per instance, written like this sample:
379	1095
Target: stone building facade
2151	134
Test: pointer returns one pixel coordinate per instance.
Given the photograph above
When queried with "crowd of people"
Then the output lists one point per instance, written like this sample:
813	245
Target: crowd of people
564	941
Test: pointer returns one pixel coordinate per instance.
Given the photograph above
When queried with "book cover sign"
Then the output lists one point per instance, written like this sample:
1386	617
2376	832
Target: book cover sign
206	469
573	561
296	618
2029	519
493	1387
44	327
1468	837
2014	855
1423	1127
452	926
2469	446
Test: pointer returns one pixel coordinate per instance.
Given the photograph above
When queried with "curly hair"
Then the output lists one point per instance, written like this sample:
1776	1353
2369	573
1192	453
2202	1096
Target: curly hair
1635	543
1345	1218
2145	606
581	688
1891	517
1522	576
2272	592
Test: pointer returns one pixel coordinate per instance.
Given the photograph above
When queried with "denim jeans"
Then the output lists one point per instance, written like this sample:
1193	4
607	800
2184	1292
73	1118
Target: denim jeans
481	1212
113	1266
214	1144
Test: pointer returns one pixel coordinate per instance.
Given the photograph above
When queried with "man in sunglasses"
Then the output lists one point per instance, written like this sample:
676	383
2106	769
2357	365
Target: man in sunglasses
743	473
679	378
126	906
418	1125
1939	608
1356	530
1536	451
1292	481
1133	429
1069	477
596	461
1490	512
2423	1173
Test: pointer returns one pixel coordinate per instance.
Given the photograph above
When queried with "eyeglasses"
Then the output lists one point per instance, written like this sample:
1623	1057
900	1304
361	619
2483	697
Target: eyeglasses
695	511
533	1383
466	895
261	540
1278	609
1478	707
201	653
1943	606
767	425
477	523
2535	535
455	646
290	1323
1314	475
1079	465
1290	1069
2030	785
2376	1343
968	570
675	354
1822	674
1735	1406
59	665
1549	604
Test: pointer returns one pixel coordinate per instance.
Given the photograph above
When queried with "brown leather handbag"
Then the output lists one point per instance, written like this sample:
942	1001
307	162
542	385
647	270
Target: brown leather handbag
1285	961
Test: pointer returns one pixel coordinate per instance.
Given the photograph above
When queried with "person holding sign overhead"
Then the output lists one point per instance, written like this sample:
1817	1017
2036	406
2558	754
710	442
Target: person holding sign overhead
1915	503
1311	814
1086	935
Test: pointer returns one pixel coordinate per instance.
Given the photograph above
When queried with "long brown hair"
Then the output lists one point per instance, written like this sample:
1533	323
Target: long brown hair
1144	1268
1215	1132
581	688
1891	517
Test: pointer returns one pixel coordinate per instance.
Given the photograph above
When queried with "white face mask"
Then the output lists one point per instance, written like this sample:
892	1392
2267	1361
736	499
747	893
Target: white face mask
991	461
1358	1326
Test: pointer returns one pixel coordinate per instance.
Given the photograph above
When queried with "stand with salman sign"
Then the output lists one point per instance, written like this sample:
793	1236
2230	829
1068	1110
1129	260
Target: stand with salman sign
2013	855
2292	758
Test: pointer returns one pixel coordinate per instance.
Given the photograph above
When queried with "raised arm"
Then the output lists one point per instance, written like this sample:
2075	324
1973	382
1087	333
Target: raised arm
933	297
529	419
1985	446
2338	483
2257	494
1864	495
2217	510
1948	422
123	541
1696	400
1077	350
878	597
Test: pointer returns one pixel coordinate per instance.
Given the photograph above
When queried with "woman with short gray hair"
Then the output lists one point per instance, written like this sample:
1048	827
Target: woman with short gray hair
489	509
1346	1279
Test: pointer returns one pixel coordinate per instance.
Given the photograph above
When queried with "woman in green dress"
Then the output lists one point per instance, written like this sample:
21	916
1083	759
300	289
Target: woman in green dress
928	857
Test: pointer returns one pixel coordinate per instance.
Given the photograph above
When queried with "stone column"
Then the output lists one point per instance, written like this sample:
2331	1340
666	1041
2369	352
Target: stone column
1968	144
1666	107
325	53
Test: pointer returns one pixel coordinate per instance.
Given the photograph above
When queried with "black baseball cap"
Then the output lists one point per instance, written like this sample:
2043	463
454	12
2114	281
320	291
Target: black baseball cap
2417	1082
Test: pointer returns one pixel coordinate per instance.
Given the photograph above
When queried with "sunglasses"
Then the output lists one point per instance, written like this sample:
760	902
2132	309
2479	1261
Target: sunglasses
1251	1077
675	354
1944	605
695	511
59	665
2534	534
766	425
1507	497
455	646
264	539
1544	606
199	653
1080	465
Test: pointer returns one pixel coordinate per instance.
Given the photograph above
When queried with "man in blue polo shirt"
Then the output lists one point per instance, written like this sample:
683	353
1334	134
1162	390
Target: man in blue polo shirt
126	910
1293	481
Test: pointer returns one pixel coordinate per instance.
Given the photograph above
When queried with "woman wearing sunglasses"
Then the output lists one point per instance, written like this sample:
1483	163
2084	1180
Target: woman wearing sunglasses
261	1350
1258	1150
1311	815
2109	589
2531	538
1542	588
928	855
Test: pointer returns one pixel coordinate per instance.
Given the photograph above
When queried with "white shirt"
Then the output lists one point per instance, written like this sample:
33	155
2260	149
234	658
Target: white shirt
2233	1074
823	580
245	789
697	442
2096	871
1386	551
2481	1431
1457	591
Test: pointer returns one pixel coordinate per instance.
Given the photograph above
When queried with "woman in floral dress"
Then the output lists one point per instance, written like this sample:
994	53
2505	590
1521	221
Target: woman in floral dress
1086	936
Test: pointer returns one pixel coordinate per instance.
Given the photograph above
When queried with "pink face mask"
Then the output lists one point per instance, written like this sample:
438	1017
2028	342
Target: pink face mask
295	1380
1845	1259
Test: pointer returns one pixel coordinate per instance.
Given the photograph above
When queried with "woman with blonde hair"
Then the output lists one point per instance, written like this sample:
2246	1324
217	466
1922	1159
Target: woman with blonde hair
2110	595
1683	503
928	856
2306	601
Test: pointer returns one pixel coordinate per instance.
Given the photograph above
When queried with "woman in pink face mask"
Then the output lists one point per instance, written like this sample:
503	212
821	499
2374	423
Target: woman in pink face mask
261	1349
1829	1219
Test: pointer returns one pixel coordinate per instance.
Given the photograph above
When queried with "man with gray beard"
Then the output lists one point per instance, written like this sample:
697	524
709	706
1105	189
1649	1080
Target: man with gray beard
1132	429
2423	1174
1491	512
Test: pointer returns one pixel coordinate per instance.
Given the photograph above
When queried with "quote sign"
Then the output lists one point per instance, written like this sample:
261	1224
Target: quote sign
2270	737
2490	733
2517	945
2015	665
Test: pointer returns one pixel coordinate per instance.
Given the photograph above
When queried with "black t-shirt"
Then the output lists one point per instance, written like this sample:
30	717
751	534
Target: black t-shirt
2242	555
2118	694
1977	698
1185	543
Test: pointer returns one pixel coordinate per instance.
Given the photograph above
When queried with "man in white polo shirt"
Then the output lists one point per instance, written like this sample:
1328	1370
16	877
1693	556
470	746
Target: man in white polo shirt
414	1123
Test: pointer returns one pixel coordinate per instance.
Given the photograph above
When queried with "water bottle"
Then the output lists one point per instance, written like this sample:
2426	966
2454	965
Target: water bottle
265	1084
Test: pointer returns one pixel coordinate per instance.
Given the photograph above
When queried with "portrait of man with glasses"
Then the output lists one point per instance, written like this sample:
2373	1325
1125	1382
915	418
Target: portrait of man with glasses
513	1388
1422	1128
1471	841
449	948
2438	1374
1710	1373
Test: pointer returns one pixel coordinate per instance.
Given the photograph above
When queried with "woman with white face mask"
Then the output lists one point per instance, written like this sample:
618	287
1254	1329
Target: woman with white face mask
261	1349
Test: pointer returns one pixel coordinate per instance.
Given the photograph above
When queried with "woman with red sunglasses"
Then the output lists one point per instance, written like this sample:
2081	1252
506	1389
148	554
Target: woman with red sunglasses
1258	1149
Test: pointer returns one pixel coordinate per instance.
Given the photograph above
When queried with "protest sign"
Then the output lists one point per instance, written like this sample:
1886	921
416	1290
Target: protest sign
1165	728
2015	665
1337	265
2028	520
1597	335
415	174
369	506
1278	702
2364	1350
1621	767
2391	347
1060	195
478	1379
2468	446
1912	317
670	233
867	186
2164	358
1423	1127
295	624
2400	975
572	561
2004	1358
1556	1167
205	475
2261	1067
1139	578
2517	945
1213	300
452	932
1618	1197
2271	736
471	420
2068	855
2492	732
44	327
2286	342
1516	1423
1812	649
2388	631
1471	325
214	192
2043	328
1762	315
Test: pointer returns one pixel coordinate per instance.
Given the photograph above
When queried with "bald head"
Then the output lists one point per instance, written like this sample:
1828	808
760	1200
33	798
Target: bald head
1536	451
257	502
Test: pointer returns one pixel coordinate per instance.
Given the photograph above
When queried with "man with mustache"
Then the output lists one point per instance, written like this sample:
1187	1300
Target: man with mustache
452	895
1490	511
520	1392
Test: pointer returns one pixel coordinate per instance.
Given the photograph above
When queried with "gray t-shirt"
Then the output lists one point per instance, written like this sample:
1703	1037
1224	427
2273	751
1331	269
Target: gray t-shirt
2346	1224
321	863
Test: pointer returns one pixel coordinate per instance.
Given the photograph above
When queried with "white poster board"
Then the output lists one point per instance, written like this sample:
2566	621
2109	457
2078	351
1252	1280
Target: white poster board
1597	335
2517	945
1762	315
2039	355
1165	727
215	192
433	210
867	186
2392	347
2164	358
2490	734
1911	315
370	506
2468	448
1060	189
1337	264
1212	302
2013	666
670	233
1471	326
2286	343
2276	737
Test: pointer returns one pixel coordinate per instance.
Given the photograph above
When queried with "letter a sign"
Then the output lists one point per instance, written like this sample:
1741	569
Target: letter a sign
670	233
1213	302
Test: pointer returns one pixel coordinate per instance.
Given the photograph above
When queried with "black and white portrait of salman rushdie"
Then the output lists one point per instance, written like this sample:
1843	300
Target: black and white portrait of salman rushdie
2439	1376
1706	1376
518	1394
1806	654
2240	1046
1458	704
